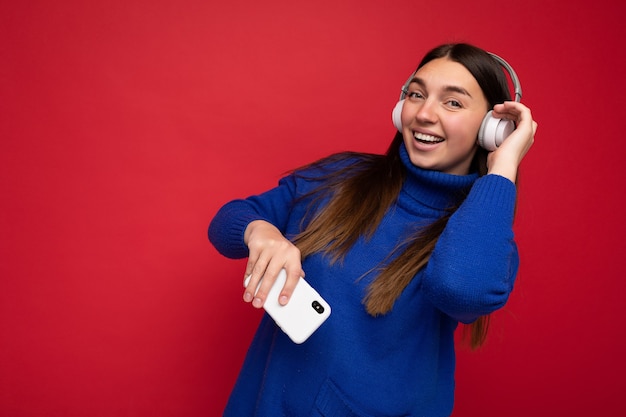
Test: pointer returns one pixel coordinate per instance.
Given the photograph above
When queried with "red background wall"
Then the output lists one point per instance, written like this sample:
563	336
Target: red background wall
125	125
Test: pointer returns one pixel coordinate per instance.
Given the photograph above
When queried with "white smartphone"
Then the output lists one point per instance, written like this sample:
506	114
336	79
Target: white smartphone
304	313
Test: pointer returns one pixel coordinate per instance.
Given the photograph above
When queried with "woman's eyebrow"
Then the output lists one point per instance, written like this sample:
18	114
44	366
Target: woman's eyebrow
447	88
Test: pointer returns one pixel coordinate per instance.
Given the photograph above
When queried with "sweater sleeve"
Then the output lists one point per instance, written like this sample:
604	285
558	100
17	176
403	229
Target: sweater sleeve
473	267
227	228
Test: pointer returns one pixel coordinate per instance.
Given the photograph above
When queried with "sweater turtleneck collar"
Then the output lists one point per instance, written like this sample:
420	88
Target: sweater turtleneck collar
434	189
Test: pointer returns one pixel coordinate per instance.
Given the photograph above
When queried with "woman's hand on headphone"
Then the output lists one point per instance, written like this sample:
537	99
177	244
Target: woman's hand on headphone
269	252
506	159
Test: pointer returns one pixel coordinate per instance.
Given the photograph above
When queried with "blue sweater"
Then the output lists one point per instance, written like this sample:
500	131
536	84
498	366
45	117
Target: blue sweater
399	364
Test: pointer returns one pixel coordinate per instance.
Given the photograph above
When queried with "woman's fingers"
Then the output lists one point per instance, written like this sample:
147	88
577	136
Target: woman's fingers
506	159
293	276
269	252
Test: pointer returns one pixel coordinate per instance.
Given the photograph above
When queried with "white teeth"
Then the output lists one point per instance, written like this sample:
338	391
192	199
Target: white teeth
427	138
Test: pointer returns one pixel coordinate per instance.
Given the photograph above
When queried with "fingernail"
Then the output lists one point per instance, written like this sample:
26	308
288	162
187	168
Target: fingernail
283	300
257	303
247	297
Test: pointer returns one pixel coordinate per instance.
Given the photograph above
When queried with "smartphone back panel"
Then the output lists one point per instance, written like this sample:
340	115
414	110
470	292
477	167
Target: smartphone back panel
304	313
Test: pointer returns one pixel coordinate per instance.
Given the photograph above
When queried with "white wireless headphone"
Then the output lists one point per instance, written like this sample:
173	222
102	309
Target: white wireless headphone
492	130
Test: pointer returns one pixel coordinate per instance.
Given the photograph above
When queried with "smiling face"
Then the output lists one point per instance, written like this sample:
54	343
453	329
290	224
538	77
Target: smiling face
442	113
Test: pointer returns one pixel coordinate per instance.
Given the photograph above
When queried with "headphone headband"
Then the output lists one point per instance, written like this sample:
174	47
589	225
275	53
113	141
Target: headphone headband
516	84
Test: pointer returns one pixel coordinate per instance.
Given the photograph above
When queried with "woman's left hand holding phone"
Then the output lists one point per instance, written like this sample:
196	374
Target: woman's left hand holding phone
269	252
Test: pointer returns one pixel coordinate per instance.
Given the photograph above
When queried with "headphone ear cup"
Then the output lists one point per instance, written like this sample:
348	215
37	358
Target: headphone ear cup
493	131
396	115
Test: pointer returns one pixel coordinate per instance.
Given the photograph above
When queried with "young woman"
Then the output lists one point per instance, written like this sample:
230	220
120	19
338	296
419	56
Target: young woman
403	246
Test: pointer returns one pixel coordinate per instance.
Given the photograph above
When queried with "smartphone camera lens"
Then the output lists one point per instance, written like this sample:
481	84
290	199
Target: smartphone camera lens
317	307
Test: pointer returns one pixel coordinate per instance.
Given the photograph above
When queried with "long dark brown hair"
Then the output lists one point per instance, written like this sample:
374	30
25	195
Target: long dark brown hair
378	179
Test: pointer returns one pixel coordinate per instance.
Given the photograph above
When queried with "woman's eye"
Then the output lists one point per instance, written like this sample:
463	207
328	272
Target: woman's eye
454	103
415	95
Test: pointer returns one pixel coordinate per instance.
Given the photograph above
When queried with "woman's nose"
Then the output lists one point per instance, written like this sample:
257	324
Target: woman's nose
426	113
